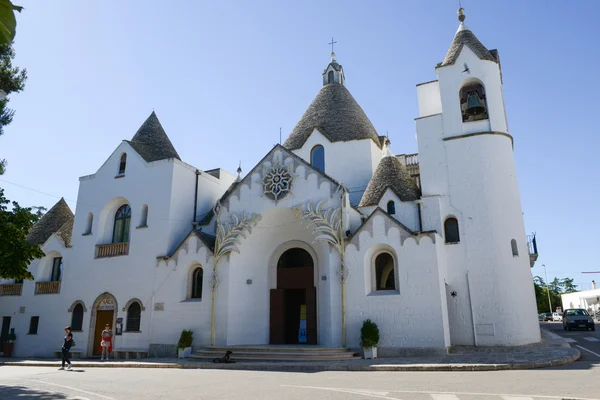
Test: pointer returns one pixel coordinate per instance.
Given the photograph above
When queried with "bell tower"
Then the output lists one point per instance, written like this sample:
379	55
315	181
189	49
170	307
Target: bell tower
471	196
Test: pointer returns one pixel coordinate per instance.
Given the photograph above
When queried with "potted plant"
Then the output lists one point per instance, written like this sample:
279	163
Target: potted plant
8	346
184	347
369	339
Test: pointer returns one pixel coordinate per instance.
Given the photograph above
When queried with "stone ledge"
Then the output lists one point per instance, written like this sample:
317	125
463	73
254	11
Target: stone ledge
366	365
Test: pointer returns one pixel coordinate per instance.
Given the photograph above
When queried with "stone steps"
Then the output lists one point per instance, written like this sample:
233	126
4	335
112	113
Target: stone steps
277	353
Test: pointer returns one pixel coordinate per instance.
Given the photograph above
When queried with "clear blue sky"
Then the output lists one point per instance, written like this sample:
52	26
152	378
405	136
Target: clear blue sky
224	76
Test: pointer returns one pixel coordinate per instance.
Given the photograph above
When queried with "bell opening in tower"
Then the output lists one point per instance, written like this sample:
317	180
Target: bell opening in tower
473	103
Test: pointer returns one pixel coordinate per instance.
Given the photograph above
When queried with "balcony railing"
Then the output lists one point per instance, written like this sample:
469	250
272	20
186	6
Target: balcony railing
14	289
47	287
533	251
112	250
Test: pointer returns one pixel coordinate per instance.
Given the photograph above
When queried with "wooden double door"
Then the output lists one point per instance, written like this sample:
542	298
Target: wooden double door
294	301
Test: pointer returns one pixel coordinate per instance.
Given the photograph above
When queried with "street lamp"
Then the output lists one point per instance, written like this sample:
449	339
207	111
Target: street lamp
547	288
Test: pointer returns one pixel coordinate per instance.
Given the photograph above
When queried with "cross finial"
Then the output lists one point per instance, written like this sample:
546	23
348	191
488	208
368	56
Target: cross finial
332	43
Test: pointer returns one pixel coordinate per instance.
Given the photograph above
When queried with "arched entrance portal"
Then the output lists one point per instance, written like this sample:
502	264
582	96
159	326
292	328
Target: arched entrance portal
294	302
104	311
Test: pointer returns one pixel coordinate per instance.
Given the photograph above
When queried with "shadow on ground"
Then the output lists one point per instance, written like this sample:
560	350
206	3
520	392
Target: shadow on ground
21	392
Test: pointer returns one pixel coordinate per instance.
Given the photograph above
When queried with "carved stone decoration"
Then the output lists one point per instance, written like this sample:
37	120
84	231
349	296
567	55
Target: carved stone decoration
325	223
277	182
229	233
214	281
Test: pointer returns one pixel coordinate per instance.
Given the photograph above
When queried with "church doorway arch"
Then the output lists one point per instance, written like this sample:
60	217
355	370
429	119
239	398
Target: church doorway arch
294	300
104	311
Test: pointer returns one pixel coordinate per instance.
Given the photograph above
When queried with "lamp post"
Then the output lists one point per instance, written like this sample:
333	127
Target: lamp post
547	288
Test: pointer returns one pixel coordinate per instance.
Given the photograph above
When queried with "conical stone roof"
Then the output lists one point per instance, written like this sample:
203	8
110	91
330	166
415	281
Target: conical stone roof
338	117
59	216
390	173
151	141
464	37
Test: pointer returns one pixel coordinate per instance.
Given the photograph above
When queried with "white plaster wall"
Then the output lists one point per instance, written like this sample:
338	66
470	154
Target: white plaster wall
451	79
428	95
406	211
351	163
484	196
409	318
170	287
432	155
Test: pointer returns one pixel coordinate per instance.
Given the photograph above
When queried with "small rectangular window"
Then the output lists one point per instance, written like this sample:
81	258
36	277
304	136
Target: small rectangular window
33	325
56	269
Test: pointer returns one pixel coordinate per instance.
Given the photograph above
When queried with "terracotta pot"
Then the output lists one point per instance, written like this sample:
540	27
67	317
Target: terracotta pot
7	348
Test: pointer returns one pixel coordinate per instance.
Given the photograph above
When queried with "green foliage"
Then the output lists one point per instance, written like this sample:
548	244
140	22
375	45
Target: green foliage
8	22
15	251
39	211
12	80
556	288
186	339
369	334
12	337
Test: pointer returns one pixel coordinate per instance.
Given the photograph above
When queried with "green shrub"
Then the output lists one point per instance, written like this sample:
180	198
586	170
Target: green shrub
12	337
186	339
369	334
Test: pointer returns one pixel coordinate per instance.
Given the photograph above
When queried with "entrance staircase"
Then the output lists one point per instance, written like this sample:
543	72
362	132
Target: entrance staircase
277	353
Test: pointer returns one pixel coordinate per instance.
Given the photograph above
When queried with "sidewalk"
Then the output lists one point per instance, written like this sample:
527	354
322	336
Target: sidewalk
549	352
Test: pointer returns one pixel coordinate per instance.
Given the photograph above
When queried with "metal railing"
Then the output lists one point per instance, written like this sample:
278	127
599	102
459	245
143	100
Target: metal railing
112	250
533	250
47	287
13	289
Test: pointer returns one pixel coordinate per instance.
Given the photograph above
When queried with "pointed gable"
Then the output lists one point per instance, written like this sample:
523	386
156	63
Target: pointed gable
390	173
151	141
56	220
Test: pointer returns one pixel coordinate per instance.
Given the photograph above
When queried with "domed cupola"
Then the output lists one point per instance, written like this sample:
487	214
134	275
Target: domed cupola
334	112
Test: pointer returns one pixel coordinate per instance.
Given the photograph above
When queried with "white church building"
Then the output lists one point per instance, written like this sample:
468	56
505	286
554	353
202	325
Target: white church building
327	230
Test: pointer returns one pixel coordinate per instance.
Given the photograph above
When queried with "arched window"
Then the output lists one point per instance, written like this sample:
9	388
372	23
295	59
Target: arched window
451	230
77	318
197	283
144	216
515	249
391	207
317	157
89	222
473	104
330	77
385	277
121	228
123	164
134	315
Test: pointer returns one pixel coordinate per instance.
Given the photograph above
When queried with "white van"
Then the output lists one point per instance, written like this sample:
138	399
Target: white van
556	316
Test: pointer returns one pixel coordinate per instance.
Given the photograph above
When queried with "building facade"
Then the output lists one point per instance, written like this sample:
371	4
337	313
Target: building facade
327	230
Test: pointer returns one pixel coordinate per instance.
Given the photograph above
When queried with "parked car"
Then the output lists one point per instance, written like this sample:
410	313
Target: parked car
545	316
577	318
557	316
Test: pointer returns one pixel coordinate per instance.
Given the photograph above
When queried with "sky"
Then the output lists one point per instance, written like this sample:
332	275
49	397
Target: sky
225	76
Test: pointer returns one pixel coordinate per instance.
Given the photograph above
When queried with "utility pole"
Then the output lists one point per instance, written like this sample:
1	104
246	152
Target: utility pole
547	288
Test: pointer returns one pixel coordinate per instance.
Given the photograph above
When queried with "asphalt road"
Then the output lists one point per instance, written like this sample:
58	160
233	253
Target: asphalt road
588	342
579	380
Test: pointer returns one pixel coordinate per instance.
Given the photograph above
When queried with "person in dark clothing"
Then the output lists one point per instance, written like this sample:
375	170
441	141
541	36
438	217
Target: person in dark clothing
66	347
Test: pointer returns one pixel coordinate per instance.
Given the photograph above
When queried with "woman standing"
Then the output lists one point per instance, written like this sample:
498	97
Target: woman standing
66	347
106	343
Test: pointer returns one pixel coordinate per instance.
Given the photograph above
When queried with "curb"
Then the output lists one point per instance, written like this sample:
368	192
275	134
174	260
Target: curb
574	356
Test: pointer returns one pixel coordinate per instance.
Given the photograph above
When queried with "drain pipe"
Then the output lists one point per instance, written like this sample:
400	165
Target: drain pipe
196	198
472	311
420	216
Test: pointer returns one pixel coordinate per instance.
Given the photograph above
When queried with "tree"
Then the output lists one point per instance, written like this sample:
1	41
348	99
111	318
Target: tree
568	286
39	212
556	288
8	21
16	253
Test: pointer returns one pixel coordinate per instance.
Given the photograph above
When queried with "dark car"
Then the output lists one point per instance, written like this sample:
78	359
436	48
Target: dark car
577	318
545	317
